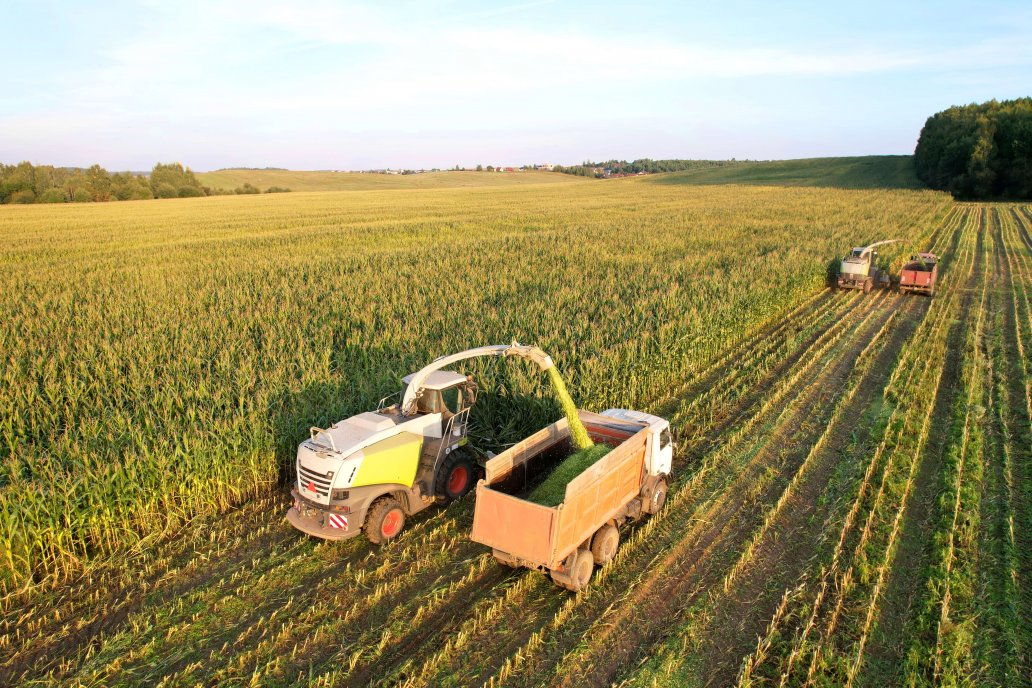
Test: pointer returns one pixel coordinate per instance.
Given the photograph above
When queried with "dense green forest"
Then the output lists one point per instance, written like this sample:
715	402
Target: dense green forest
28	183
979	150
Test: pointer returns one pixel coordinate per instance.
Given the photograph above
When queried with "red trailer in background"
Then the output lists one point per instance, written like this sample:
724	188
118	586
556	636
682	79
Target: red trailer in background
919	274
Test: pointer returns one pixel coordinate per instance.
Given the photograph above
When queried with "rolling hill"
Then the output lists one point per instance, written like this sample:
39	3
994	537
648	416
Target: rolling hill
866	172
325	180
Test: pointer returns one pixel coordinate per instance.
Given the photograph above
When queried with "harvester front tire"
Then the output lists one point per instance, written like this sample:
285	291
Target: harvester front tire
385	520
604	544
867	286
456	477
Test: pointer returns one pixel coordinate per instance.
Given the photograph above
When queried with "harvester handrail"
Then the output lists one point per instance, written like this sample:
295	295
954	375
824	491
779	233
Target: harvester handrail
317	431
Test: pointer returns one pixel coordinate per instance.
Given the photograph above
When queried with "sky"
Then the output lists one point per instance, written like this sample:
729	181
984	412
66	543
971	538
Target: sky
322	84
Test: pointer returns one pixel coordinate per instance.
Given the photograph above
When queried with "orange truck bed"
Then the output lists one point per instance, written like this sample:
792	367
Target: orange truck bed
542	537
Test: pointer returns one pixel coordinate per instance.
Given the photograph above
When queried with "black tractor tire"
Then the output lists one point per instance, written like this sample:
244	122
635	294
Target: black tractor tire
604	544
456	477
385	520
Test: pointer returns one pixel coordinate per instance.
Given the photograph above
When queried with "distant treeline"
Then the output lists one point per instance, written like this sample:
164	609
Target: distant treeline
28	183
612	168
978	151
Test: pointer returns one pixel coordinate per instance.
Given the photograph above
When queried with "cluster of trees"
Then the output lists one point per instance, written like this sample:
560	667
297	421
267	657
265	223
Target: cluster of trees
978	150
642	165
28	183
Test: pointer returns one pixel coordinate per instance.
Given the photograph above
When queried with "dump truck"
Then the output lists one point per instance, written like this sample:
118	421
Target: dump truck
369	472
567	541
859	269
919	274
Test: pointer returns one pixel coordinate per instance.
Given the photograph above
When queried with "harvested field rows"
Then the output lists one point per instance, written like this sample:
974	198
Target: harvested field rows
850	506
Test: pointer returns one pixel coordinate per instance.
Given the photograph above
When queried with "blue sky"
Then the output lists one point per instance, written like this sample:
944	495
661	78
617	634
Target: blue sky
355	85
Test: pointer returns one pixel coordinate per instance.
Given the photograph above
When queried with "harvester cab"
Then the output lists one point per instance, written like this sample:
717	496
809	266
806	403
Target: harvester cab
369	472
859	269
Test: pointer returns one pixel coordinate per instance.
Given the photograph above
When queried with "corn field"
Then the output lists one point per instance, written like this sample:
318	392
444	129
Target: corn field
850	501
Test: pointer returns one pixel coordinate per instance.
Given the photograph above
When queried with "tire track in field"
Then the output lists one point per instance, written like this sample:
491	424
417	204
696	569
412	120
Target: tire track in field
724	626
740	615
678	661
852	579
1017	421
905	585
997	645
726	518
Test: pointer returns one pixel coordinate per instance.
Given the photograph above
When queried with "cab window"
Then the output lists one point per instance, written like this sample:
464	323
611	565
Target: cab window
451	399
430	401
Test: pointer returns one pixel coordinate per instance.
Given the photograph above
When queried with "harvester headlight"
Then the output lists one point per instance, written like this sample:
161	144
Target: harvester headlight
339	495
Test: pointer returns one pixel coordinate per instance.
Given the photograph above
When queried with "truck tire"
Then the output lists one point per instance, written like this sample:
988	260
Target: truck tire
580	565
658	497
455	477
385	520
604	544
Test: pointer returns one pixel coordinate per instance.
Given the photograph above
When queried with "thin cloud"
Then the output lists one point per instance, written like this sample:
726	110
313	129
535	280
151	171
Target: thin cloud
342	71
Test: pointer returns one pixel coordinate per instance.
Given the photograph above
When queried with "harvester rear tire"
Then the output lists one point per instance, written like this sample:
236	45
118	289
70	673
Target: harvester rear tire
604	544
385	520
455	478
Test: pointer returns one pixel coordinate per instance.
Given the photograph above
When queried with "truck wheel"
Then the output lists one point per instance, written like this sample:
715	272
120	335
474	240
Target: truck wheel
658	498
604	544
579	568
455	478
385	520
